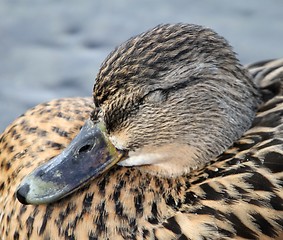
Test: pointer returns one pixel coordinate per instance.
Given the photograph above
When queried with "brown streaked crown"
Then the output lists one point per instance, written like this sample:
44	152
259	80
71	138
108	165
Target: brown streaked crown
148	56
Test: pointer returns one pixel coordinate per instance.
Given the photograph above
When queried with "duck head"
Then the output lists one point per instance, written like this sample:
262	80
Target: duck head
169	101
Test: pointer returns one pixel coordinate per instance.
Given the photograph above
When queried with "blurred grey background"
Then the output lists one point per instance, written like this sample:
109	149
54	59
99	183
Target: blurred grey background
53	49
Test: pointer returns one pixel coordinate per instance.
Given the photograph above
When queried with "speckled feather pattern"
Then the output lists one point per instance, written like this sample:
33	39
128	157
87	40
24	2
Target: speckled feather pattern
238	196
179	84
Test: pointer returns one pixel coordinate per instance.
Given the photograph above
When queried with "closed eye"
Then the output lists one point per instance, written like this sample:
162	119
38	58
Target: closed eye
156	96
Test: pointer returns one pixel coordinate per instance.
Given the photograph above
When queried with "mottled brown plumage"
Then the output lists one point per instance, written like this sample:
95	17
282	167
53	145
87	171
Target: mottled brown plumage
236	195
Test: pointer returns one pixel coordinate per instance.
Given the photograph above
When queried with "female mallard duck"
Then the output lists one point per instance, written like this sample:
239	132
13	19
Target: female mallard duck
156	159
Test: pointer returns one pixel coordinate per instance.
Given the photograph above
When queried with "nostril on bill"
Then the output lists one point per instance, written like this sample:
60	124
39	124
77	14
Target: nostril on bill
22	193
85	148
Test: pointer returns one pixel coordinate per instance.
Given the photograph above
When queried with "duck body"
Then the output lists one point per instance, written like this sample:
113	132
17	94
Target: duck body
236	195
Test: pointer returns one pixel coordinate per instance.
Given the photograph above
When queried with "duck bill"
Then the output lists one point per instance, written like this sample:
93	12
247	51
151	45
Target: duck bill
88	155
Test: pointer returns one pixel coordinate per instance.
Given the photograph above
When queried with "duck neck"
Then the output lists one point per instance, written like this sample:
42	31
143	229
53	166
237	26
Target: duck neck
169	160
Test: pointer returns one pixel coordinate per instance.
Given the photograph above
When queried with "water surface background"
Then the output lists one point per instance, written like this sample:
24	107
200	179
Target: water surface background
53	49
